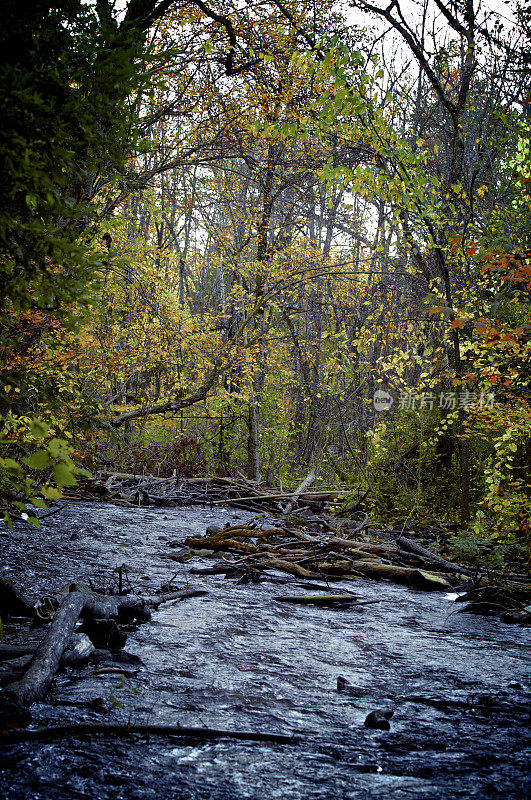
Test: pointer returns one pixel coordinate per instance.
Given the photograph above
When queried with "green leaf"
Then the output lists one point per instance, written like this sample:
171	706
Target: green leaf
64	475
11	466
51	492
38	502
38	428
39	460
57	447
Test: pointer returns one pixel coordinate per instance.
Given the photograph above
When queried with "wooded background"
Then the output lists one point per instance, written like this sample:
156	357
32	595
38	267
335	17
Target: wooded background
224	226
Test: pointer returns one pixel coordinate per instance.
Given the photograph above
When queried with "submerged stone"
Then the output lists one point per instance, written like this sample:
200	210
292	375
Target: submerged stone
378	720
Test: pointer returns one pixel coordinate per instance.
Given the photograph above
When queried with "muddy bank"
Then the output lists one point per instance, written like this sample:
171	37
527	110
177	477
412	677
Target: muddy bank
458	685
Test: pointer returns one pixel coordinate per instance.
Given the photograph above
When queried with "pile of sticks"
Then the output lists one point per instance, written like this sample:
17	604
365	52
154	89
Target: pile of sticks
248	552
146	490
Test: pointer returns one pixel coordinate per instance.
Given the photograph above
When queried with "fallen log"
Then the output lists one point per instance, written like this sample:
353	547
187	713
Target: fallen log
124	608
431	558
182	594
306	497
285	566
91	729
10	651
13	671
324	600
482	702
211	570
414	578
128	673
354	548
334	568
213	533
14	660
18	696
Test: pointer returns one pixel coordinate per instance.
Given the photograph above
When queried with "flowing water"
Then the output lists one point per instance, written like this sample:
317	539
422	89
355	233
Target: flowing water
238	660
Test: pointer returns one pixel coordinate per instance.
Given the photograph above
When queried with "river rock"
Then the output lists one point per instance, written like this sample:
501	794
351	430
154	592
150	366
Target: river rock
79	650
485	608
379	720
14	669
517	616
212	530
104	634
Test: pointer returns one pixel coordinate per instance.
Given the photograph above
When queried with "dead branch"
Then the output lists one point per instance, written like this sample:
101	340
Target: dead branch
429	557
91	729
309	479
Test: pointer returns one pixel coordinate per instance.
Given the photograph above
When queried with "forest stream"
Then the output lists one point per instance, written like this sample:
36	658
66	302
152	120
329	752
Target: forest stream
458	684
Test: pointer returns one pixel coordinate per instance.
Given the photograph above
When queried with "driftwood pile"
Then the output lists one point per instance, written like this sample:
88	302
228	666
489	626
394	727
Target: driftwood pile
146	490
329	550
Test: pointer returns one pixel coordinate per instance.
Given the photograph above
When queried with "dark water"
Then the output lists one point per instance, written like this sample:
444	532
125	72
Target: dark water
235	659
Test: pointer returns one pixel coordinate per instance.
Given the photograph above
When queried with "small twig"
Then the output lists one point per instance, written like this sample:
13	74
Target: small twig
182	594
53	511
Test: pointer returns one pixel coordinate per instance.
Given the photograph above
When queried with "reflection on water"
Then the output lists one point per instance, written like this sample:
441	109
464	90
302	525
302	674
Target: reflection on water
235	659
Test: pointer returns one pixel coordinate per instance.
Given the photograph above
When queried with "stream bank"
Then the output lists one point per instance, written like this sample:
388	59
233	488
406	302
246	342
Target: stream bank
458	685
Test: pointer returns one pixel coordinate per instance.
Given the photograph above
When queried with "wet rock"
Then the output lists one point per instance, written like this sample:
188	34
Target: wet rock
79	650
121	657
13	669
490	594
12	602
379	720
212	530
182	554
492	601
101	656
487	609
12	713
104	634
415	578
348	688
249	577
429	581
517	617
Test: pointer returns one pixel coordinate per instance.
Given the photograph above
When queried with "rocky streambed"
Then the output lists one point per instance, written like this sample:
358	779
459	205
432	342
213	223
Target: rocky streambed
448	692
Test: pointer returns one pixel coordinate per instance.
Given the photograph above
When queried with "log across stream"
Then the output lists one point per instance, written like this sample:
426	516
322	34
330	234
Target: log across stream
394	695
